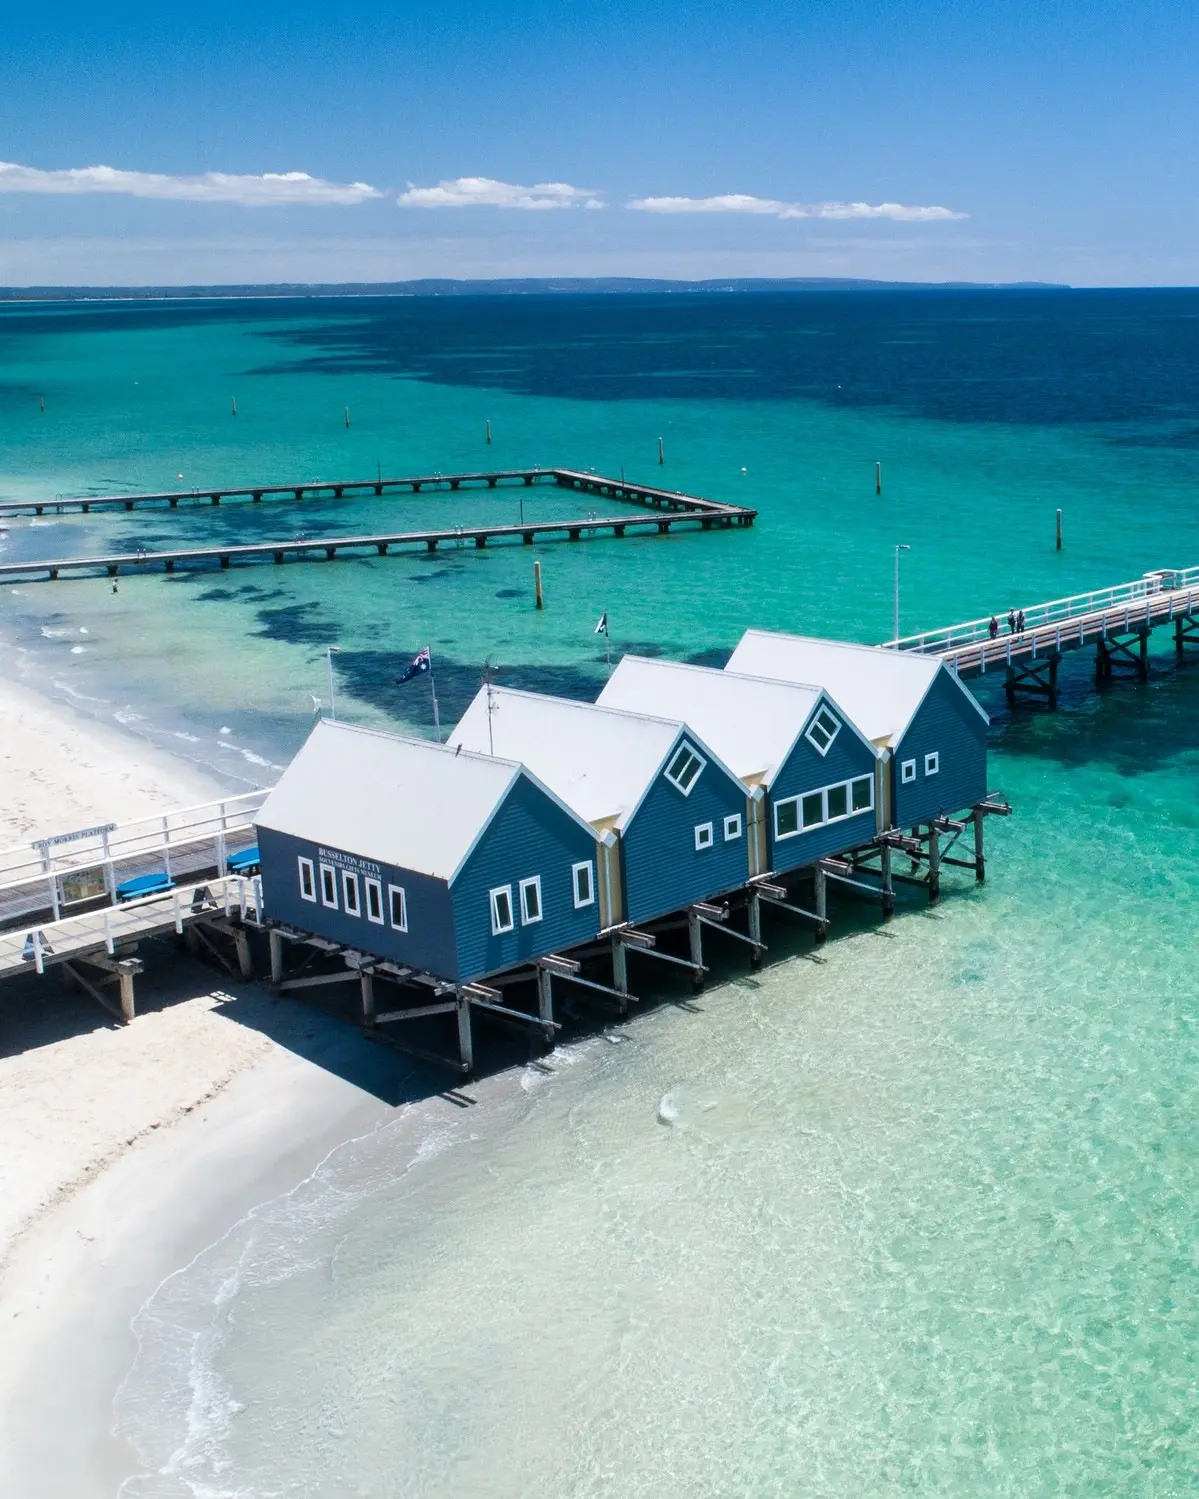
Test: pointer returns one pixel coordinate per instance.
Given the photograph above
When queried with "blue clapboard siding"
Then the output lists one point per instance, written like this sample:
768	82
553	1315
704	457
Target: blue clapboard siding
948	722
529	834
663	870
806	769
429	940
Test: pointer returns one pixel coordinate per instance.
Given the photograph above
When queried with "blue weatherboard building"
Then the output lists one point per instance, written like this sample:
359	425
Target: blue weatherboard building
456	864
809	775
670	816
920	716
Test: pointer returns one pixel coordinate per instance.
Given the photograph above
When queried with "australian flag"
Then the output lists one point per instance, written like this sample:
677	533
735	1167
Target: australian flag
602	627
420	665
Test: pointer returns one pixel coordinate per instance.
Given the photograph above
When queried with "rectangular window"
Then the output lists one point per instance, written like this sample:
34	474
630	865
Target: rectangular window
683	770
349	893
307	880
374	902
823	729
501	910
583	876
813	809
932	763
838	801
703	835
328	887
530	900
398	902
786	817
863	793
732	826
907	771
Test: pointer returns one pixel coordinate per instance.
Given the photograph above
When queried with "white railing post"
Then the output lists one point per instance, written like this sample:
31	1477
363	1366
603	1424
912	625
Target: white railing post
178	912
166	847
108	942
54	897
37	951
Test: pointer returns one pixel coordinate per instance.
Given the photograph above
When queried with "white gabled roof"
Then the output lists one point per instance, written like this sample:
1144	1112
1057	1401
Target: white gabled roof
388	798
599	762
879	689
750	723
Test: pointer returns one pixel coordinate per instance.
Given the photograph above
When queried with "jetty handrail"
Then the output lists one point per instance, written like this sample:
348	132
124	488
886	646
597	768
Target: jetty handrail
1054	611
44	861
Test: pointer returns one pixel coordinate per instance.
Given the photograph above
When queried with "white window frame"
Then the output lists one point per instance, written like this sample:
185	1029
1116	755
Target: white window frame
824	711
575	870
392	892
732	826
932	762
307	867
498	928
685	745
705	836
869	807
349	881
375	888
532	883
907	772
787	801
327	869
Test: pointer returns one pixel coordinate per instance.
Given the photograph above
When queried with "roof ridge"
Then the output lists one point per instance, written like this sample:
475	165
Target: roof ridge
418	742
574	702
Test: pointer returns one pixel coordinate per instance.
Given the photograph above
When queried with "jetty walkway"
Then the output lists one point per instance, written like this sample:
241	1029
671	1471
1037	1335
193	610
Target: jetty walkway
664	510
1116	621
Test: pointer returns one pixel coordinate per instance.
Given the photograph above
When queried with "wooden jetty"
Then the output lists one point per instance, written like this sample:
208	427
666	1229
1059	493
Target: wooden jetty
665	510
316	489
1116	621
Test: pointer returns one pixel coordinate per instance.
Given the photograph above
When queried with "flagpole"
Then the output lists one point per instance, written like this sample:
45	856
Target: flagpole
433	685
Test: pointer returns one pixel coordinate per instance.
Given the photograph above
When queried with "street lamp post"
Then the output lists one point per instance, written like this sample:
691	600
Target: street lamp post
902	547
329	653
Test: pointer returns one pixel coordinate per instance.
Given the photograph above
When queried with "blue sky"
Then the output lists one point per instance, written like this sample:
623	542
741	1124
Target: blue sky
922	141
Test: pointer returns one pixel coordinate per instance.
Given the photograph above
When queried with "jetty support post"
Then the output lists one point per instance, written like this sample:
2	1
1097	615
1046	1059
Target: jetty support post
366	978
820	882
934	864
754	911
980	864
695	942
276	941
620	967
466	1048
545	1000
888	885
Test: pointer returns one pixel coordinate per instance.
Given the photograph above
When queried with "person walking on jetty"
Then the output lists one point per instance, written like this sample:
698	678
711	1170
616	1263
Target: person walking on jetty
993	627
1020	622
1011	621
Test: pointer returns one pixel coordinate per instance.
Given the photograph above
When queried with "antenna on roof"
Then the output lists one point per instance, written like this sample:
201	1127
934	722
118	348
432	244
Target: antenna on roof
490	706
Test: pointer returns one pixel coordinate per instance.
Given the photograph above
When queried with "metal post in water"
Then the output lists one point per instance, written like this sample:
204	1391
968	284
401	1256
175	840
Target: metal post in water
902	547
234	400
537	585
661	453
488	434
347	416
878	478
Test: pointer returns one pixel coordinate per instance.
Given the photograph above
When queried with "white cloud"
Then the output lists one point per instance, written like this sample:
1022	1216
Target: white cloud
270	189
775	208
485	192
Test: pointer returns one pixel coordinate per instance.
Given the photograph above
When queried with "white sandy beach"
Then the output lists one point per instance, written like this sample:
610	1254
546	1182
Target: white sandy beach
126	1150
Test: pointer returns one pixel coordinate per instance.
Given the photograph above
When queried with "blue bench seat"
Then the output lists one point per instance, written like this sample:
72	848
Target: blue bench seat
247	861
145	884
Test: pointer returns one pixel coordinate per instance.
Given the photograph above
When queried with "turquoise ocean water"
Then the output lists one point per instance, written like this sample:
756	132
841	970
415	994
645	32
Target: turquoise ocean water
914	1215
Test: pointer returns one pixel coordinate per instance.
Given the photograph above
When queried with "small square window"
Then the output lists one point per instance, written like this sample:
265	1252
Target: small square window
328	887
932	763
838	801
349	893
374	902
584	884
823	729
683	770
786	817
501	910
863	793
703	835
307	880
732	826
813	809
398	902
907	771
530	900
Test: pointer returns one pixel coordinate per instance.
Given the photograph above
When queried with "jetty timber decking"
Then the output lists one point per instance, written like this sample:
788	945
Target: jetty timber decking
1117	621
667	509
562	478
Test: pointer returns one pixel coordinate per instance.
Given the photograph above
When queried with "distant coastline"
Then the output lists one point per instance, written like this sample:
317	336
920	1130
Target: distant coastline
527	286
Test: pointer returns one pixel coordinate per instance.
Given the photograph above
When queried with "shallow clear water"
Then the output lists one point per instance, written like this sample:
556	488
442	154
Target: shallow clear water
914	1214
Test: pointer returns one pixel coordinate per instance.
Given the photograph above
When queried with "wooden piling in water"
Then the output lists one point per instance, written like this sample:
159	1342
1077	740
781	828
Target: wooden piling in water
488	434
661	453
1059	530
537	585
234	400
347	416
878	478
